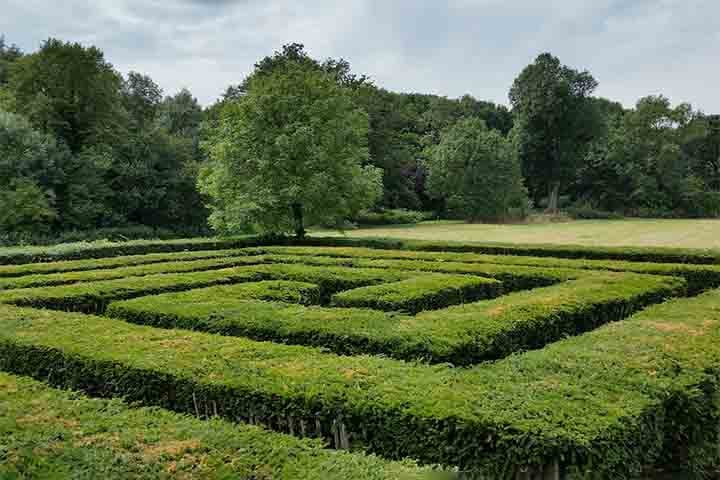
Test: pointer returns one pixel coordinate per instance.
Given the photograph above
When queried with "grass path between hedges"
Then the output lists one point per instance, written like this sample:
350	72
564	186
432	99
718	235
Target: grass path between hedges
684	233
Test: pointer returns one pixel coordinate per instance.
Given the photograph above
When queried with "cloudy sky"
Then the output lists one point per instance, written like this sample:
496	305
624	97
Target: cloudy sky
633	47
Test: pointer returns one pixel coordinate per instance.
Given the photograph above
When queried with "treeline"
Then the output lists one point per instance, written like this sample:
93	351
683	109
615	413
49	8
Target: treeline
85	149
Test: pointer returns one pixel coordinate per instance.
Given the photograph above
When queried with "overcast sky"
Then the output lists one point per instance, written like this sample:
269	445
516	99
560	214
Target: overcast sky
632	47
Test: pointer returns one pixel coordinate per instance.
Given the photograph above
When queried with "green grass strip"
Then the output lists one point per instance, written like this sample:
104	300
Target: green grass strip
461	335
426	292
50	433
607	402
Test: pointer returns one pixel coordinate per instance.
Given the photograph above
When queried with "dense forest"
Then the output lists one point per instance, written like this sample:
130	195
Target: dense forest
86	151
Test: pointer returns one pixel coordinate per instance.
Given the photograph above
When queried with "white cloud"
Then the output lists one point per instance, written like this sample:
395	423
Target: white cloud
460	46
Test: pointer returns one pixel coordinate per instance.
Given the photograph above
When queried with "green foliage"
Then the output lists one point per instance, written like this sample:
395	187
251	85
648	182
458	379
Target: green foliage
68	90
289	152
112	440
121	271
632	400
414	295
640	168
397	216
555	121
477	171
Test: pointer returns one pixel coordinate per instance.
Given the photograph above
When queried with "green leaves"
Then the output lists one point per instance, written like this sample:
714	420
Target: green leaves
477	171
295	138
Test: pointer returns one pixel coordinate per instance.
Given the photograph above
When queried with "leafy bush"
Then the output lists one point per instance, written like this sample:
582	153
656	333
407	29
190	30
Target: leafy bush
584	211
396	216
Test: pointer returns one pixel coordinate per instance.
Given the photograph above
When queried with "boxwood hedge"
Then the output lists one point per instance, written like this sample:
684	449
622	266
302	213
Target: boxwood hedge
606	403
50	433
20	255
426	292
461	335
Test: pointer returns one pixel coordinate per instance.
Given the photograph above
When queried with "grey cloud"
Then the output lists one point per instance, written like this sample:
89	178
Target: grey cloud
451	48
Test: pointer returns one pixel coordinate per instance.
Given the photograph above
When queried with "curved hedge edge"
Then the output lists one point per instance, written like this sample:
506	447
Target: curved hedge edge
110	439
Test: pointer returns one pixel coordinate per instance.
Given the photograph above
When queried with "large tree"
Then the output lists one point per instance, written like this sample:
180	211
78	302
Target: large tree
68	90
288	152
477	171
557	121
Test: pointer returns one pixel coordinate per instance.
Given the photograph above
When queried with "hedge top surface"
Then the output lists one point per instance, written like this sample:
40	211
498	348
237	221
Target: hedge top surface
108	439
463	334
574	389
20	255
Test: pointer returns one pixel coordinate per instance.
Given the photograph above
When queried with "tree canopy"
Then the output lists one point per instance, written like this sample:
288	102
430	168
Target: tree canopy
477	170
291	150
556	122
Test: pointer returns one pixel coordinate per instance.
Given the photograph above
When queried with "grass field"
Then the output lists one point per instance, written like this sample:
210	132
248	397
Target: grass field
357	360
633	232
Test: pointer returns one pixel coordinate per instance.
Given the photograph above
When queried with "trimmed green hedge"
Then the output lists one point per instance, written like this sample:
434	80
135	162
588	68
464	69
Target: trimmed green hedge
53	279
426	292
101	249
462	335
626	395
50	433
93	297
639	254
115	262
513	277
20	255
699	277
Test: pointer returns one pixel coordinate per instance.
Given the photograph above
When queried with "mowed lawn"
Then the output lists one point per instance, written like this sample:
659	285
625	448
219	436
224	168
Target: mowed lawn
703	233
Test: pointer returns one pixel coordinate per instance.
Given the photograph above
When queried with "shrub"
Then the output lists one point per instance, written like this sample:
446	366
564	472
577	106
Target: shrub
397	216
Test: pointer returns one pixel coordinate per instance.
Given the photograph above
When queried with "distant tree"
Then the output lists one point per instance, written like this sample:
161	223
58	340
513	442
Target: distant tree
556	120
644	165
181	114
477	171
70	91
288	153
8	55
42	182
141	99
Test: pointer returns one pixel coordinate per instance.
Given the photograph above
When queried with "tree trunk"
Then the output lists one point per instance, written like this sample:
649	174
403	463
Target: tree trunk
298	215
553	194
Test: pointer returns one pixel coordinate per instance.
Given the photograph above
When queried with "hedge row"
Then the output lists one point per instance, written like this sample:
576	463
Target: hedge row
513	277
101	249
426	292
638	254
699	277
53	279
93	297
115	262
50	433
20	255
462	335
607	403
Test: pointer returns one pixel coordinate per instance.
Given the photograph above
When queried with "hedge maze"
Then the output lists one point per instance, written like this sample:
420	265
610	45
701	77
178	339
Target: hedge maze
337	359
